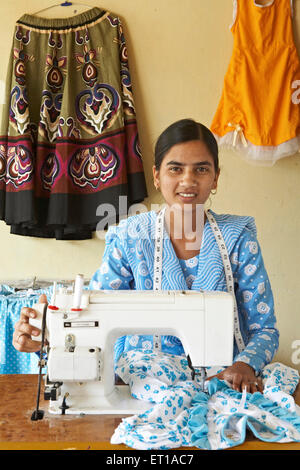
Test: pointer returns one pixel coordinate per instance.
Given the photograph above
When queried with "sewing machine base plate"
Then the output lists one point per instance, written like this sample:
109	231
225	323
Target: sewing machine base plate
118	402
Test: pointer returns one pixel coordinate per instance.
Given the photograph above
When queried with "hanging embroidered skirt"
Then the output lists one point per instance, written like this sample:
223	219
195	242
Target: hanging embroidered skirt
68	139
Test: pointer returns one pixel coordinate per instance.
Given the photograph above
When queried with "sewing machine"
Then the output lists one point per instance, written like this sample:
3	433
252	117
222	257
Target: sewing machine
81	328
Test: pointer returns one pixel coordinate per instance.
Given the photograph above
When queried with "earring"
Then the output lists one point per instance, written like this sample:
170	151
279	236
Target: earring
213	193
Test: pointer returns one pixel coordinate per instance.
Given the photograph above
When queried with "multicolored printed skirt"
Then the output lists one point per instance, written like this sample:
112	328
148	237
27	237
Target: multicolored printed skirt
68	137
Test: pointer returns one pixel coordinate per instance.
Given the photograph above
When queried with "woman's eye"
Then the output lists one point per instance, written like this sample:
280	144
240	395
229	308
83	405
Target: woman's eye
202	169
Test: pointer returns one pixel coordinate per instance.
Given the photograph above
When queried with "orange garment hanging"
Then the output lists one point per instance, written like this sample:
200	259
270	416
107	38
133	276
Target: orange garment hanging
259	111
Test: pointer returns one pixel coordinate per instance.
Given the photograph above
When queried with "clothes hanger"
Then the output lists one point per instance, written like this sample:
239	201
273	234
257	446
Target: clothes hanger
64	4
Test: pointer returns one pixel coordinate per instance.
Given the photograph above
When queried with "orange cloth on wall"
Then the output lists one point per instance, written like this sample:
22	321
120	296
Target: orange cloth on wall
259	111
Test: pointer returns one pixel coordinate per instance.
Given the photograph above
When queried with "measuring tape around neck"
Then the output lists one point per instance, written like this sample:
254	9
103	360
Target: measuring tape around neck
158	256
229	276
158	250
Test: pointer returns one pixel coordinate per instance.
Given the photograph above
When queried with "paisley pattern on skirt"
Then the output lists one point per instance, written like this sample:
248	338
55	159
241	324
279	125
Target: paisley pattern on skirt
93	165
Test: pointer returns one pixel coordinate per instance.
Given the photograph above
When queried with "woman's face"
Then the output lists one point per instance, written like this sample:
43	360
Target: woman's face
187	174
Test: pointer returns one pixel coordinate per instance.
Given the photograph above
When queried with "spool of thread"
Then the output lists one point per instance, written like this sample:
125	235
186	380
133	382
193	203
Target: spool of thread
78	291
53	298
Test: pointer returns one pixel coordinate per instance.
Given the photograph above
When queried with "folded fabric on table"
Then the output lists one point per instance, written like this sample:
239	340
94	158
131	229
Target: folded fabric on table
183	415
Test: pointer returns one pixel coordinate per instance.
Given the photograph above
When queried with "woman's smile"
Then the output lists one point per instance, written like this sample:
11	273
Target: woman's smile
187	196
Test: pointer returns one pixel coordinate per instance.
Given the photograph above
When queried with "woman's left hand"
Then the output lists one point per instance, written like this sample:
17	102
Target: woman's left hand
239	376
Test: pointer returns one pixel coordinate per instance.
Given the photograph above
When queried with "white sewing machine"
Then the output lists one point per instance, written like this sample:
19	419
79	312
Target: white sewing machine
81	328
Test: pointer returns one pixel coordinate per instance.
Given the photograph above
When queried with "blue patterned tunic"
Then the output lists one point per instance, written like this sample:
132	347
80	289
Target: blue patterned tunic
128	263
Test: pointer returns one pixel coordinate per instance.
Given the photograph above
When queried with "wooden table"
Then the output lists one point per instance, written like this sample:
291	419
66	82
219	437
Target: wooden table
17	431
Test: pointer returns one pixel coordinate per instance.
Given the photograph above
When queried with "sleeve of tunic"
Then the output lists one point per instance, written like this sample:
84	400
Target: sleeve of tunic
115	271
255	303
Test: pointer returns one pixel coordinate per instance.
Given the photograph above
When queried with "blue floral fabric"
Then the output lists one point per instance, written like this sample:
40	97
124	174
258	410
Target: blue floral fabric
189	268
179	413
11	303
128	264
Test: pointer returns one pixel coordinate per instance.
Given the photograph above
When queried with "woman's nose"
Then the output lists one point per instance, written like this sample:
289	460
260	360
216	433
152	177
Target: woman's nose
188	178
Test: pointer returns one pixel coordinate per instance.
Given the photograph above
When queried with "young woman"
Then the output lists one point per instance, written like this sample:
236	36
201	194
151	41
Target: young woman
186	171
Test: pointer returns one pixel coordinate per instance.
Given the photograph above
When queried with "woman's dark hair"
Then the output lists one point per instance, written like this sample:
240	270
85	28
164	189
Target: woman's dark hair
184	131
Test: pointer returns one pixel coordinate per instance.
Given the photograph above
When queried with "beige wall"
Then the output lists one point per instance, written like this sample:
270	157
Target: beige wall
178	54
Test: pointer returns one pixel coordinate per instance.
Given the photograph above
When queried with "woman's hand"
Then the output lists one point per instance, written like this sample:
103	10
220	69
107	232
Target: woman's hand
23	330
239	376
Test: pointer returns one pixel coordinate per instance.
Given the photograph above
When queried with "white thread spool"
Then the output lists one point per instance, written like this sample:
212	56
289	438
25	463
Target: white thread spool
78	291
53	298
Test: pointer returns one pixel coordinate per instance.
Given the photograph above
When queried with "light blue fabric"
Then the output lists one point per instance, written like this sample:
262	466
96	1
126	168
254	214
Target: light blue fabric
181	414
189	268
163	380
11	303
267	419
128	263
